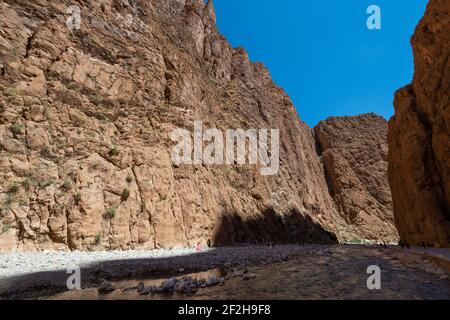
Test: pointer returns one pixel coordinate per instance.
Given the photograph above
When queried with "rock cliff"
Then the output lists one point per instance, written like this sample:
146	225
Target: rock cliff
355	153
86	118
86	122
419	141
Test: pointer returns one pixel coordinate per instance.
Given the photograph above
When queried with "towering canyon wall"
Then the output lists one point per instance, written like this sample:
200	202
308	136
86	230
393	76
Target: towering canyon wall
355	153
419	141
86	118
86	122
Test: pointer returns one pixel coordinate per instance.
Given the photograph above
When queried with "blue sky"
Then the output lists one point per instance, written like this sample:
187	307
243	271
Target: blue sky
322	53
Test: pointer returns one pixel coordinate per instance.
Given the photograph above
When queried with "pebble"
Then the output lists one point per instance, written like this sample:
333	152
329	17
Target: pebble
185	285
106	287
140	287
152	289
201	283
212	281
169	284
181	286
249	276
237	274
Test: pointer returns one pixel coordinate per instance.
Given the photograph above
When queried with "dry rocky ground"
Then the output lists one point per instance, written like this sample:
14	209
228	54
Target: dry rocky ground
261	272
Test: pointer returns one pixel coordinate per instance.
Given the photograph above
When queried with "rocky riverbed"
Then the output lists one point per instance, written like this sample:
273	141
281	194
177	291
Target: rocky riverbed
257	272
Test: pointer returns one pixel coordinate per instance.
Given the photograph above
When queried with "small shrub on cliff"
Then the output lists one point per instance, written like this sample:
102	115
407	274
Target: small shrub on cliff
16	128
77	198
125	195
67	185
26	184
111	213
13	188
114	151
129	179
98	238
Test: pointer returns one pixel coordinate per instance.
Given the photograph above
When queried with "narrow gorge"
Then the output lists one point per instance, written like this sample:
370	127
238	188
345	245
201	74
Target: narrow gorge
85	137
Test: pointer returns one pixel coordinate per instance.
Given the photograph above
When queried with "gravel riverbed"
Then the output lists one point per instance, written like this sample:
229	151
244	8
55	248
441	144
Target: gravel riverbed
262	272
21	263
20	271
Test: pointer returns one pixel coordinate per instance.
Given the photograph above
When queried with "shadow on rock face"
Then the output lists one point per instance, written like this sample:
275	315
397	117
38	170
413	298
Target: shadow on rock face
269	227
292	227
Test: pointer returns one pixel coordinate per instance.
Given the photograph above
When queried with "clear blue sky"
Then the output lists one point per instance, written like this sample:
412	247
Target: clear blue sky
322	53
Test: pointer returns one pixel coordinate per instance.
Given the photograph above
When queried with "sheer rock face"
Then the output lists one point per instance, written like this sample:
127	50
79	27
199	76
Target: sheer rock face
86	123
419	141
85	133
354	154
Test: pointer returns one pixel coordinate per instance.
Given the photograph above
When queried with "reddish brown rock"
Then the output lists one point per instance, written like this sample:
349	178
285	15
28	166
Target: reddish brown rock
86	118
85	125
419	141
354	153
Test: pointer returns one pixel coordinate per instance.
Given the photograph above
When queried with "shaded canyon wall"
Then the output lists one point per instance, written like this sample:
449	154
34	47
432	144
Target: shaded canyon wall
419	141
